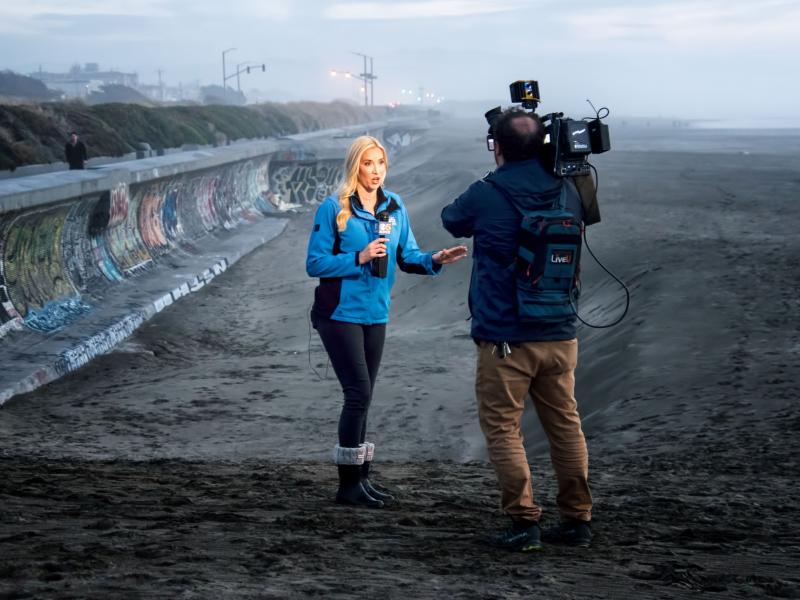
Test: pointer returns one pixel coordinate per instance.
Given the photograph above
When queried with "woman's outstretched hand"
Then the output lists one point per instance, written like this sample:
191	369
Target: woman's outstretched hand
449	255
372	250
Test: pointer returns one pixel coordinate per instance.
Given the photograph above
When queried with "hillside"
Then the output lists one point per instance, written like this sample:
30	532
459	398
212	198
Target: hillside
36	133
119	93
20	87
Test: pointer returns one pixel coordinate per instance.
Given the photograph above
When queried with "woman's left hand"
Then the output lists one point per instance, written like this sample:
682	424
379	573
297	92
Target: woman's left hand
449	255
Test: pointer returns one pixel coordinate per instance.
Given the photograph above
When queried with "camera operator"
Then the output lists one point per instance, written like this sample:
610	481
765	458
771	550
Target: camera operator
519	356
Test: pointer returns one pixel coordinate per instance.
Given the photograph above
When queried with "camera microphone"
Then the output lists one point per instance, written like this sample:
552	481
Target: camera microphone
380	264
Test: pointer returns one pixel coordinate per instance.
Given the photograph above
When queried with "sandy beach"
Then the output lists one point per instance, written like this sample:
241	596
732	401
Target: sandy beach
193	462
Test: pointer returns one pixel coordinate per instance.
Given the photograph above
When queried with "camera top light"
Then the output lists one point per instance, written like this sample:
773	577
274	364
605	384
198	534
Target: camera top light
525	90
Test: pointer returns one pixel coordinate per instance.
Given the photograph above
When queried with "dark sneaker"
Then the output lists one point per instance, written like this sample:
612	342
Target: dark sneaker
518	539
571	533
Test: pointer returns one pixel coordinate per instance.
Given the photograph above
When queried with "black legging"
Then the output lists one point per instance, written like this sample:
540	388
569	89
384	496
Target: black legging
355	351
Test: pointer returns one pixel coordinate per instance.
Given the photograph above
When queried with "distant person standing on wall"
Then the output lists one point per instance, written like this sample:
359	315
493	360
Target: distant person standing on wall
75	152
358	236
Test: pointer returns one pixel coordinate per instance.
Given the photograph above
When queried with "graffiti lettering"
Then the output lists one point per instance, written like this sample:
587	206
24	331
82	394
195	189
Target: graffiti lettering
295	184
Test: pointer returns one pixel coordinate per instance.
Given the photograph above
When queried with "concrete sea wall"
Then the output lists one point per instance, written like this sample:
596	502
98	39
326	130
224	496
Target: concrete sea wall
71	241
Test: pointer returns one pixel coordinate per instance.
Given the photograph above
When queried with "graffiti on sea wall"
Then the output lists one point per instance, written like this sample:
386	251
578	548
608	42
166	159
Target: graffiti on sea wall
46	261
122	236
202	189
250	189
104	341
77	247
58	262
101	256
233	184
150	201
10	319
57	314
189	206
33	269
169	214
294	184
261	190
397	140
229	185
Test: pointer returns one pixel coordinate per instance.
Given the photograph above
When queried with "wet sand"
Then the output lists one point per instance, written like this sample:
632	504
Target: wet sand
193	462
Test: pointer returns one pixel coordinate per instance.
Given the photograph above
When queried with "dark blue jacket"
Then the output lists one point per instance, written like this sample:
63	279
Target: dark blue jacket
348	291
486	213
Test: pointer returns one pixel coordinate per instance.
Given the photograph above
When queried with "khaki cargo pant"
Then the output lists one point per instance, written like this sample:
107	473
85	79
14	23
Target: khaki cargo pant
546	371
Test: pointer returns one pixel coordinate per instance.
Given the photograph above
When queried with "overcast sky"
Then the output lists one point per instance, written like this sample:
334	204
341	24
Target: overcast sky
670	58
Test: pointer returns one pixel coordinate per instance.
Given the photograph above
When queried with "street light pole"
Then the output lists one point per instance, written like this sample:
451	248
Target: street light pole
224	78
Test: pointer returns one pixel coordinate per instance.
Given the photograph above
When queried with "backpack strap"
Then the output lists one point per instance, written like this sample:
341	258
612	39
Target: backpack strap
559	201
562	197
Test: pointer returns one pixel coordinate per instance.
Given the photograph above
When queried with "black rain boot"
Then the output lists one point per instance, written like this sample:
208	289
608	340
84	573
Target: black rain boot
377	494
351	491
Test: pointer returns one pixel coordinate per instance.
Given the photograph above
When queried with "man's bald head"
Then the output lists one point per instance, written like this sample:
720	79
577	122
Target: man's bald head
519	135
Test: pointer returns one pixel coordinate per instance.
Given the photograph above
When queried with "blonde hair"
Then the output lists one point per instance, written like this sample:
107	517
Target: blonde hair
348	186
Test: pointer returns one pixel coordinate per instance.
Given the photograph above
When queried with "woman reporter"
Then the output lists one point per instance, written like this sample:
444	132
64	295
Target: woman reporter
355	232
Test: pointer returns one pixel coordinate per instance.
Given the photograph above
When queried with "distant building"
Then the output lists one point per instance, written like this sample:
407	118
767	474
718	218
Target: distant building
171	93
79	82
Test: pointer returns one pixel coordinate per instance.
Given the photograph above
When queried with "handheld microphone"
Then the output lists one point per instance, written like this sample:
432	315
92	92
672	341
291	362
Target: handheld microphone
380	265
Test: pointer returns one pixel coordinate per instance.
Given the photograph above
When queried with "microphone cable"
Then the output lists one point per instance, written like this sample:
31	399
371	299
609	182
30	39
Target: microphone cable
310	366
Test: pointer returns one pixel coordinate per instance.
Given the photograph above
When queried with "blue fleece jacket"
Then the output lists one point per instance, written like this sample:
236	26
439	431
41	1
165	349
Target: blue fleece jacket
348	291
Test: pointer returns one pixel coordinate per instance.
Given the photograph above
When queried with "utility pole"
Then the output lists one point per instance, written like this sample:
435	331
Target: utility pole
371	84
364	79
368	77
160	86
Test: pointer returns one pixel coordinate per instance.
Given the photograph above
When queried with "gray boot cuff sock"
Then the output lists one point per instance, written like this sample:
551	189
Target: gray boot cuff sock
349	456
369	449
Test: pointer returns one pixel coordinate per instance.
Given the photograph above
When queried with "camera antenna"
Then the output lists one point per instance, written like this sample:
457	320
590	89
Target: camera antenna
597	112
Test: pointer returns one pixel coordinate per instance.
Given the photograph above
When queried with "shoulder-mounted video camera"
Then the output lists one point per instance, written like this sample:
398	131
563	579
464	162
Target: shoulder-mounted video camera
568	142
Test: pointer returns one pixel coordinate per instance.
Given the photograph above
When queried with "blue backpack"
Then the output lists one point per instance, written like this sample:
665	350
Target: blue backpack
547	264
